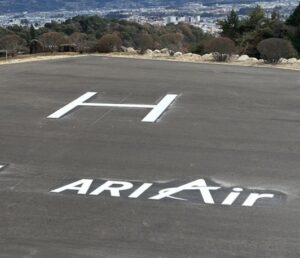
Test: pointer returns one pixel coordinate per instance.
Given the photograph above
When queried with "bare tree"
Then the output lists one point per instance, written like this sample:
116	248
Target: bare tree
172	41
109	43
12	43
186	30
80	40
144	41
221	48
52	40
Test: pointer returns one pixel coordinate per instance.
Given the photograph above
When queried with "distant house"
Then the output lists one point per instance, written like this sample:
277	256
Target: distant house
67	48
3	53
36	46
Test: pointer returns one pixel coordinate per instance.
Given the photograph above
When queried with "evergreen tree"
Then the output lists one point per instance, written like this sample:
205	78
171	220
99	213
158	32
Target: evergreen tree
255	17
32	32
294	19
230	25
295	38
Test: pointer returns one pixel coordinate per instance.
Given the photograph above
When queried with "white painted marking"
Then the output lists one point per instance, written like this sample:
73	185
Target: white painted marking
3	166
154	114
199	184
232	196
170	196
117	105
114	191
253	197
114	188
159	108
81	186
138	192
77	102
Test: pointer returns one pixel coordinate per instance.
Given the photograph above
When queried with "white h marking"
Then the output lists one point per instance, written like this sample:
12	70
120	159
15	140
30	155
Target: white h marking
154	114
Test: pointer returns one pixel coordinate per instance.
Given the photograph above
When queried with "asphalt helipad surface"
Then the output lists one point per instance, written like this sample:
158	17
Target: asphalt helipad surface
101	182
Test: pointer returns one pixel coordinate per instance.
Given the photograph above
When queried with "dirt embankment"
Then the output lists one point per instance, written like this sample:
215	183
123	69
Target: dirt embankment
206	59
36	57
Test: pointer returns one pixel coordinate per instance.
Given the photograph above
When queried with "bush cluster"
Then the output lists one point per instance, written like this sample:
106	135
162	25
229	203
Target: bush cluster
260	36
93	33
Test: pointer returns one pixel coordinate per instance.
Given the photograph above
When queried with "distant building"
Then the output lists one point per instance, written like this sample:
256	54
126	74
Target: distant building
194	20
67	48
171	19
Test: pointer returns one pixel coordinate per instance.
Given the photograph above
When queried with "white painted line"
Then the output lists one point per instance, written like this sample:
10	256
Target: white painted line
152	116
157	111
69	107
2	166
117	105
140	190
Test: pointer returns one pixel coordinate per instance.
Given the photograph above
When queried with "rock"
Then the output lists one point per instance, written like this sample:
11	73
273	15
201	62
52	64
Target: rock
177	54
253	59
261	61
165	51
123	49
148	52
189	54
131	50
156	51
208	57
196	56
234	57
192	56
243	58
282	61
292	60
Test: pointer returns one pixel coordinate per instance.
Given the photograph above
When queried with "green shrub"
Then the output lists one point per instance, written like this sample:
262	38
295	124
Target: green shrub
273	49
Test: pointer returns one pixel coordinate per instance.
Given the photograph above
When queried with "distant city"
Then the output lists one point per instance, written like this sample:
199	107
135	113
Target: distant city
201	15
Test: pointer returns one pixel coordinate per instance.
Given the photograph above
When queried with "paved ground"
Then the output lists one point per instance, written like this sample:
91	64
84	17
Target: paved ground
231	126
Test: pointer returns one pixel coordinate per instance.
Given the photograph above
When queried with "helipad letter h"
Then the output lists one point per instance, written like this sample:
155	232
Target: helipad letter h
152	116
